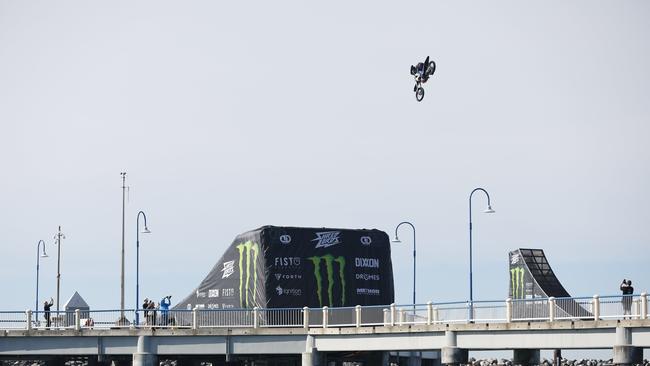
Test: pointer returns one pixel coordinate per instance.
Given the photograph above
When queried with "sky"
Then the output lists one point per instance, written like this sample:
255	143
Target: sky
228	116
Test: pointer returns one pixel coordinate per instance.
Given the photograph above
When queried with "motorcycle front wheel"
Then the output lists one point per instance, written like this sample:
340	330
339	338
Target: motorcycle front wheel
419	94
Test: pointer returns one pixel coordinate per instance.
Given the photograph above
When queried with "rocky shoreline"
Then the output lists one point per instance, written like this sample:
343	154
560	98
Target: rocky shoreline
547	362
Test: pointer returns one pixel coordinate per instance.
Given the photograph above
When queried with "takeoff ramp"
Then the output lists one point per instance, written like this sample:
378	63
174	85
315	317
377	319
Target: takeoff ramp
291	267
531	277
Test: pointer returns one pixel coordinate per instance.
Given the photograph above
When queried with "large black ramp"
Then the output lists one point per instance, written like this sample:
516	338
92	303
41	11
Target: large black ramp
292	267
531	277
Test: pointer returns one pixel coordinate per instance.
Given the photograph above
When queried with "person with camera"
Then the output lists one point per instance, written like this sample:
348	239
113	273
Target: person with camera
164	309
46	310
151	306
628	291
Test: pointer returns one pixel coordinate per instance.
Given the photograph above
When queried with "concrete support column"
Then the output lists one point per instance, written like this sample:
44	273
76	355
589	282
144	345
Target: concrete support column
451	354
385	358
228	348
525	357
414	359
143	355
624	352
557	357
311	358
627	355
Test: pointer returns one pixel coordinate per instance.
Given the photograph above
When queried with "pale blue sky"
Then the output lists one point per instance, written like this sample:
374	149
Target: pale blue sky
232	115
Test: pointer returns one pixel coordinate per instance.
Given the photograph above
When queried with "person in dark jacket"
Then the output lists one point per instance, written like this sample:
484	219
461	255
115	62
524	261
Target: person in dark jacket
152	312
46	309
628	291
145	306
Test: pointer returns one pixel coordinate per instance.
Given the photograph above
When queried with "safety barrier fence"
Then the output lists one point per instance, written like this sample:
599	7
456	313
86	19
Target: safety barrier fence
510	310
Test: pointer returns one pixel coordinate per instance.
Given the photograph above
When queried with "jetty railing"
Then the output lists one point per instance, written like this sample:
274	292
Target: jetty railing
550	309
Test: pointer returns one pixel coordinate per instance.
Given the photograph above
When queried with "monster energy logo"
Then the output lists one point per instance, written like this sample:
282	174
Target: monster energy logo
247	248
329	268
517	282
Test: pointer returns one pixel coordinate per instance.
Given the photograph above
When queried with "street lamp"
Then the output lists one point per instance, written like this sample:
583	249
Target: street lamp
57	241
396	240
123	174
487	210
38	262
137	262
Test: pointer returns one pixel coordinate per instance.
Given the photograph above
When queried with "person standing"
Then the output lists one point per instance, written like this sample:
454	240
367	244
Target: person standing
628	291
152	312
46	309
145	306
164	309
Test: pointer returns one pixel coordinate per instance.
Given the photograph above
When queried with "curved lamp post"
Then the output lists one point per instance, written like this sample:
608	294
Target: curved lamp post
137	262
38	264
487	210
396	240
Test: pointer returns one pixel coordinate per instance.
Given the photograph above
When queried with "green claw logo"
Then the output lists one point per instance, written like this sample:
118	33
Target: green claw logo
329	267
517	282
247	247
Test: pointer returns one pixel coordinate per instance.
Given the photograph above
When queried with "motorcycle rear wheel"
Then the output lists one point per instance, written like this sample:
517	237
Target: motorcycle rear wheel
419	94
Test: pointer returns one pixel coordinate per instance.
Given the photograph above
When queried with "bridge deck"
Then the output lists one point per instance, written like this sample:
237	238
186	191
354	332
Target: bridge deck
500	336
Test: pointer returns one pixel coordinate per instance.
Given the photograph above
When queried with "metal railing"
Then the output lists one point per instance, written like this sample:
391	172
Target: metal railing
517	310
12	320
